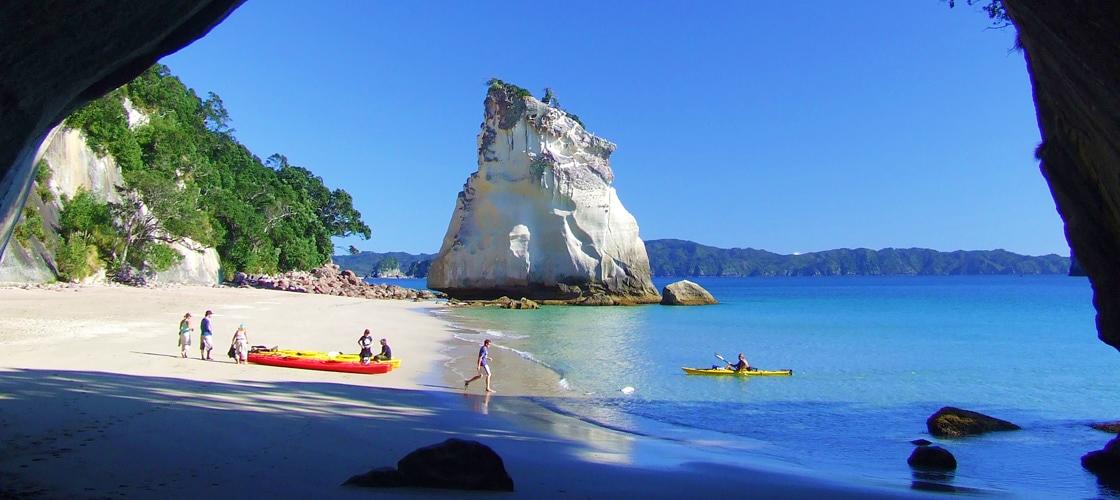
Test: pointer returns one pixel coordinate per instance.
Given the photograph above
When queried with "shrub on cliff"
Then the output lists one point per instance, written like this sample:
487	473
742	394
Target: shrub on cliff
184	164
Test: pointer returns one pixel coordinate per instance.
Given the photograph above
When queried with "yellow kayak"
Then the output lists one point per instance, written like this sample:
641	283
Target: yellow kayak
744	373
336	356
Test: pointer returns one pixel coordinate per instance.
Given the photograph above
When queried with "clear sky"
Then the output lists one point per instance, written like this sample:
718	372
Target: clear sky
790	126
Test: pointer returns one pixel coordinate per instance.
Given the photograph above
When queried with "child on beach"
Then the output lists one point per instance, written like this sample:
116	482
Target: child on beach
205	335
483	366
185	334
240	345
366	342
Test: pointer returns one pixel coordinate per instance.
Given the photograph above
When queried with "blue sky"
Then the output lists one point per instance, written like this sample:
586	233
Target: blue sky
790	126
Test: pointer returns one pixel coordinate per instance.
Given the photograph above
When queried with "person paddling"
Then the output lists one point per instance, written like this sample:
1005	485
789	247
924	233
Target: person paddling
483	366
741	365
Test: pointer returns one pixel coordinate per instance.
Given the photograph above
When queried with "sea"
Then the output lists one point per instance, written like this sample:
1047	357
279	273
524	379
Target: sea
872	358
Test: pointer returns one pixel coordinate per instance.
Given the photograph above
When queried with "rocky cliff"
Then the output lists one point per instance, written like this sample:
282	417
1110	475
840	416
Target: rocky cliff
540	218
74	166
1073	58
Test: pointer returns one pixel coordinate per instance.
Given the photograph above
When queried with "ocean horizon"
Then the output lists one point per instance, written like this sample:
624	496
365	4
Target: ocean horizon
873	357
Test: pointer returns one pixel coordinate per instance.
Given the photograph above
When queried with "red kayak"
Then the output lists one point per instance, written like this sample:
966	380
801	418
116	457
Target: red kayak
328	365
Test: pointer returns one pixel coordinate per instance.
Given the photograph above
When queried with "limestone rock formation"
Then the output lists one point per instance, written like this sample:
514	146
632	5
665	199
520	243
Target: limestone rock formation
955	422
686	293
200	265
58	55
540	219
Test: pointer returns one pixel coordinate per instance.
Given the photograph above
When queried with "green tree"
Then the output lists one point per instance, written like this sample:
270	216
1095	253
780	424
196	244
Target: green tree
88	237
354	250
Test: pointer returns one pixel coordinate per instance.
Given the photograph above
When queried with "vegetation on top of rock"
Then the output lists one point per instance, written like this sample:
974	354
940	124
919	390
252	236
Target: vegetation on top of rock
495	84
685	258
186	176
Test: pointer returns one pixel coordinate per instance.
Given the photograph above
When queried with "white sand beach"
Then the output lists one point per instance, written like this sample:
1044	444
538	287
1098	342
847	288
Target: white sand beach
95	402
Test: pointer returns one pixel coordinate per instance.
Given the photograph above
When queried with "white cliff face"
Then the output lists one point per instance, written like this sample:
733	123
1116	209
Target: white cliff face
540	218
74	166
200	265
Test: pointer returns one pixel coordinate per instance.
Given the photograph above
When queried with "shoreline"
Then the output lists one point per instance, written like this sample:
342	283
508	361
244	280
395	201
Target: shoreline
92	385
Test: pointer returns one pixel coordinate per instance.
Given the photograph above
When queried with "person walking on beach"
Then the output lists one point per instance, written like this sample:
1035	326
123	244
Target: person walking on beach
240	345
483	366
205	335
386	352
366	343
741	365
185	334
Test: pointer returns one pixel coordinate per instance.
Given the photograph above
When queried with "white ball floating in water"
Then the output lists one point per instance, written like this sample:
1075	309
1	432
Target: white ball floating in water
628	390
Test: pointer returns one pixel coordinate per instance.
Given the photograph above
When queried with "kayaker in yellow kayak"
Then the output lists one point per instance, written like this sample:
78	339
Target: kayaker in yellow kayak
741	365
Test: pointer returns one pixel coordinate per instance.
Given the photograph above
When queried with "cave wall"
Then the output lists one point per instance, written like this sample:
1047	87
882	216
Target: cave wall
1072	48
57	55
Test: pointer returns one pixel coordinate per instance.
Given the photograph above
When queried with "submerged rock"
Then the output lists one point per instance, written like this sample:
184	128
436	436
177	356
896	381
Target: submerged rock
453	464
686	293
540	219
955	422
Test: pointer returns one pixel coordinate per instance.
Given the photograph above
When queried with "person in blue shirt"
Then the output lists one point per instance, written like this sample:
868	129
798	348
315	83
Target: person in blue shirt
483	366
741	365
207	336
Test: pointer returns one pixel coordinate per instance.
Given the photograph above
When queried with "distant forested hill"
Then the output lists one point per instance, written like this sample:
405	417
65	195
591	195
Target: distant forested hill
368	263
685	258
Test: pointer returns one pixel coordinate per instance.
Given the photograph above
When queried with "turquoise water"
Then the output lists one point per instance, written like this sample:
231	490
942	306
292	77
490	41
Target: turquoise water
873	357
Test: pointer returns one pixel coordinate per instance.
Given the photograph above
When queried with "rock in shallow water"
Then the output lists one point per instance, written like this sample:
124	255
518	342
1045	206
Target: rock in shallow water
1105	463
932	458
955	422
686	293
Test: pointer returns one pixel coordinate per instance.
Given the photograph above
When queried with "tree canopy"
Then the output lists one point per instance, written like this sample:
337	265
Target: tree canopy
183	165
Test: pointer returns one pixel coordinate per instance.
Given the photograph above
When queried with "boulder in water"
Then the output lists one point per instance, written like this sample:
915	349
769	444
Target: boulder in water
955	422
1105	463
686	293
932	457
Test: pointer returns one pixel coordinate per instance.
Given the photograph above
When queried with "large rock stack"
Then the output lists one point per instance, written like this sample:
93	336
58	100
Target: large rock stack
330	280
540	219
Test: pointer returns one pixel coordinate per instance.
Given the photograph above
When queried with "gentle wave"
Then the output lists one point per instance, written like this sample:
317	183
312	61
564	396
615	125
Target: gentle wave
526	355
